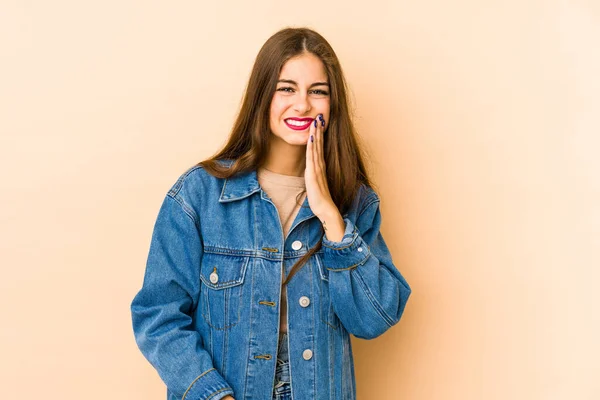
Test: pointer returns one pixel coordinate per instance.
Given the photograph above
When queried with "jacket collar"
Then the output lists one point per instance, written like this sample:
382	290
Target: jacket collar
239	187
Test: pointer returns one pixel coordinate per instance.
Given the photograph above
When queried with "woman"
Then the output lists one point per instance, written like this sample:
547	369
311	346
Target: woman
267	256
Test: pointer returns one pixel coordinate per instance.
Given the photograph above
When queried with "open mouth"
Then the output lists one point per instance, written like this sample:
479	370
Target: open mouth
298	124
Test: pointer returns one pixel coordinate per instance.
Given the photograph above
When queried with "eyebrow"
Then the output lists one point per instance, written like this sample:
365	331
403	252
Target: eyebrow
294	83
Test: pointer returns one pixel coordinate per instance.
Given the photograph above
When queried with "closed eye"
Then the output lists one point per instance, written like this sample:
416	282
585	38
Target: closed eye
320	92
286	89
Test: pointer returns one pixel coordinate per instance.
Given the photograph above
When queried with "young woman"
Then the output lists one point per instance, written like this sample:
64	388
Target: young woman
266	257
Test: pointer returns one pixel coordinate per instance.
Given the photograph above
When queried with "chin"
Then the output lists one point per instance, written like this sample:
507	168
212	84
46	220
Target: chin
293	138
298	140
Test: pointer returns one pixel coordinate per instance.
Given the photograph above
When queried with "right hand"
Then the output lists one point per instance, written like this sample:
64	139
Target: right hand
228	397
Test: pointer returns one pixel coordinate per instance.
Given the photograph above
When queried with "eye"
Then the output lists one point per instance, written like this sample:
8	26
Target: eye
286	89
320	92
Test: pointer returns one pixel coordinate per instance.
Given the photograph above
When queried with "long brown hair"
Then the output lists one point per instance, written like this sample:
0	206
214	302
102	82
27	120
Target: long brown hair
248	143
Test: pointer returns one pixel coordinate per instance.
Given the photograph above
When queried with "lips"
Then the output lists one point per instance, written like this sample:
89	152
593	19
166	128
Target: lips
298	124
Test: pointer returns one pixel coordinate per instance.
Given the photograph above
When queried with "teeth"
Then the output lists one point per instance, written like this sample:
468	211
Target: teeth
296	123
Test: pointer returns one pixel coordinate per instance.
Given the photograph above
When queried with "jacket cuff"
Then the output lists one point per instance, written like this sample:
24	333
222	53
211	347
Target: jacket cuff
208	386
348	253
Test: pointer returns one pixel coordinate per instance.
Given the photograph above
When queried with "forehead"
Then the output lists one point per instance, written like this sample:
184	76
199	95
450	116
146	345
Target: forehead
305	67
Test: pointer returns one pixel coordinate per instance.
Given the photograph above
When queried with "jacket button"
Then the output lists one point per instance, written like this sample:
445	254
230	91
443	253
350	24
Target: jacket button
297	245
307	354
304	301
214	278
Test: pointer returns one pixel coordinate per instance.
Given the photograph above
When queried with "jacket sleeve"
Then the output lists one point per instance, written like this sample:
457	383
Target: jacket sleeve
368	293
162	309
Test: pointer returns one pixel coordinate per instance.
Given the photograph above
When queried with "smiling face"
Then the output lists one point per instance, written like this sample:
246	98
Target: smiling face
302	93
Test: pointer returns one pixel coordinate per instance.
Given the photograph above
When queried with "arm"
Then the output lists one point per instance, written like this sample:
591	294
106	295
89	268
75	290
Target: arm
162	309
368	293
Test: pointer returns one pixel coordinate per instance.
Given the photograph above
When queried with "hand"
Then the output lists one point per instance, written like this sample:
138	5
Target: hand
228	397
317	190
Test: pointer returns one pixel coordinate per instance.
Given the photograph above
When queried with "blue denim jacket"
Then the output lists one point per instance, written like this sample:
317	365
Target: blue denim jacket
207	315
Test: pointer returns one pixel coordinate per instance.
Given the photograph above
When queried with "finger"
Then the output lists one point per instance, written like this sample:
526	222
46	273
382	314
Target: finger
312	129
315	157
310	146
309	150
319	141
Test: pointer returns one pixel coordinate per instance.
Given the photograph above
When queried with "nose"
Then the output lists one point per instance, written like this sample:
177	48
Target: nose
302	105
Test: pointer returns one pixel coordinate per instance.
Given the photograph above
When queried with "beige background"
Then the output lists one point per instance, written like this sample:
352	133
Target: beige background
482	120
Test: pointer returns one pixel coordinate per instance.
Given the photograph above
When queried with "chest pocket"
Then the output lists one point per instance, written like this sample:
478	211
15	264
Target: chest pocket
326	312
222	289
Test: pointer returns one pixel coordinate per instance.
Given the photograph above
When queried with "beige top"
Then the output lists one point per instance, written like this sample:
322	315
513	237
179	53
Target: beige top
284	191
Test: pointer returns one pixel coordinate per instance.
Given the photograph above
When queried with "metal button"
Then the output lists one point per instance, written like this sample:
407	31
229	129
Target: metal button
359	249
297	245
214	278
304	301
307	354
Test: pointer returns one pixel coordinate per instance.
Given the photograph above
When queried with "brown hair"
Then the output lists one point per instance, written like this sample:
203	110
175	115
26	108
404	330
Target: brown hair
248	142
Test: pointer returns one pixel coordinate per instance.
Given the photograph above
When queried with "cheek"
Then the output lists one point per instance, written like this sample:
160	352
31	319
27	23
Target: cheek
278	106
326	109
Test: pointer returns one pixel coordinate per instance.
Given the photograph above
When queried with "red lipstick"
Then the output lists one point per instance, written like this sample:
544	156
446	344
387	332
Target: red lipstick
298	124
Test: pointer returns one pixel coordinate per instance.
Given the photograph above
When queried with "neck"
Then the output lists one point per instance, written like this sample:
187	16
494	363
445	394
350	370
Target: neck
285	159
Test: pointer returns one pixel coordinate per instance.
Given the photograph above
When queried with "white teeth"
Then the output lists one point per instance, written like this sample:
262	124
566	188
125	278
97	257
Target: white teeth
296	123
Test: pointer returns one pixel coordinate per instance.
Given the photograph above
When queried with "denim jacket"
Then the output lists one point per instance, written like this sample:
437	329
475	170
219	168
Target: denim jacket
207	315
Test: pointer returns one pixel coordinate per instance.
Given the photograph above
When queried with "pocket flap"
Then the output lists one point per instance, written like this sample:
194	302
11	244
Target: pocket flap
226	270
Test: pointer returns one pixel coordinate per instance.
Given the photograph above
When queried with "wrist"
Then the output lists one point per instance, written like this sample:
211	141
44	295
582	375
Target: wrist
333	225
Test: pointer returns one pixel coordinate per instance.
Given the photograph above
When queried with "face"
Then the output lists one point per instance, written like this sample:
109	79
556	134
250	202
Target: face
302	94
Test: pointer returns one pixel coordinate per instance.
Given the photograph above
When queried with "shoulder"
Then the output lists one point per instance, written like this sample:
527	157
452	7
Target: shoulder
364	207
196	180
366	197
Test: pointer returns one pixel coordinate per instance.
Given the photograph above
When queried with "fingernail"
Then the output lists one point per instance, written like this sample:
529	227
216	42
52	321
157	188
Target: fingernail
315	123
312	139
322	122
321	117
